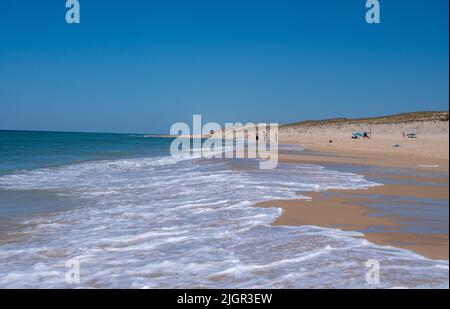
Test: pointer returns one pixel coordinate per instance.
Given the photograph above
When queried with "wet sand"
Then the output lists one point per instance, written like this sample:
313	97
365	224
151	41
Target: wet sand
410	209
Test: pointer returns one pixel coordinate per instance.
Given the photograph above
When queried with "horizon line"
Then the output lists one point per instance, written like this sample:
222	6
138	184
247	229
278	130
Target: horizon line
286	124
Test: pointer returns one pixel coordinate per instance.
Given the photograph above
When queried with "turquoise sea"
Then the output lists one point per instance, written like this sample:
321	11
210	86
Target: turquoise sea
20	150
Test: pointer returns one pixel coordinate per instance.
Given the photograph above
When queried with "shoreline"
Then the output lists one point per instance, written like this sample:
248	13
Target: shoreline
131	204
382	213
410	174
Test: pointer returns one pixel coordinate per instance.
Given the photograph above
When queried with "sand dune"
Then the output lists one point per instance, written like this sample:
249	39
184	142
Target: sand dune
432	142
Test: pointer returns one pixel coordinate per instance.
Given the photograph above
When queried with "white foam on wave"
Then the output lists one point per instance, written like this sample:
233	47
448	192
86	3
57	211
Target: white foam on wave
150	223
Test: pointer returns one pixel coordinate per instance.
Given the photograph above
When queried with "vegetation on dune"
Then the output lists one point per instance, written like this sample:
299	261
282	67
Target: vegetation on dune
381	120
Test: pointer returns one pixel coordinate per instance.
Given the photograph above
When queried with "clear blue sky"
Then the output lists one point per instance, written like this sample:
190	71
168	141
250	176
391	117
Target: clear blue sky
139	66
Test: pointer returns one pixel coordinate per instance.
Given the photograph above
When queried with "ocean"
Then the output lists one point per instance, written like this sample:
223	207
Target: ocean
134	217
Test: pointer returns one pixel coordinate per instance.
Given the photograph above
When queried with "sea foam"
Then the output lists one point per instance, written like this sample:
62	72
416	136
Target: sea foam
165	223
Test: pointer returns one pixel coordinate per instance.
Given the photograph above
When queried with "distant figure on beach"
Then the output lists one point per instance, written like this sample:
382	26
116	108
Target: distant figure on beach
403	134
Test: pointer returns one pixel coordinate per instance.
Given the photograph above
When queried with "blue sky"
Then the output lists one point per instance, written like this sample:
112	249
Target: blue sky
140	66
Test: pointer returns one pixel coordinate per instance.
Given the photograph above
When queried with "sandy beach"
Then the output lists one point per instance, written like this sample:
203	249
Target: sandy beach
413	174
156	221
